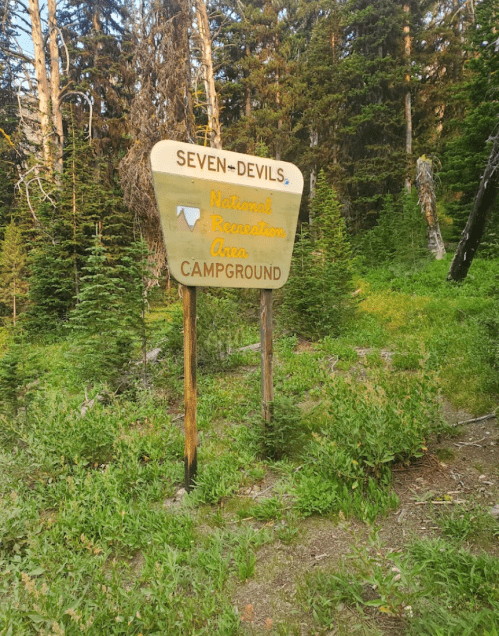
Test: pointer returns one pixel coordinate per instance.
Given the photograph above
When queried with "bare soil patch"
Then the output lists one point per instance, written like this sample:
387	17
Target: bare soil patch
460	469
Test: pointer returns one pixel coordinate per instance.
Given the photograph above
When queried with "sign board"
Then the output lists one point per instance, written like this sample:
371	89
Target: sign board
228	219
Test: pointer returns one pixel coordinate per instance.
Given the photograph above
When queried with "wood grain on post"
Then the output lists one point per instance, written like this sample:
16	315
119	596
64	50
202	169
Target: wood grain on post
266	353
190	385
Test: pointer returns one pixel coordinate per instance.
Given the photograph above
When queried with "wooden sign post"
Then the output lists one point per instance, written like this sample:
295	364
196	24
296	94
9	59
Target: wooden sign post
228	220
266	354
190	385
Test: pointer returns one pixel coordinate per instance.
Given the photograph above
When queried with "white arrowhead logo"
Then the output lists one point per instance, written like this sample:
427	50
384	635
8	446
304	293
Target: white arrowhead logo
191	215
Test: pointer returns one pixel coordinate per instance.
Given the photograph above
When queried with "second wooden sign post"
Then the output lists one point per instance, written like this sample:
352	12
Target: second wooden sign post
228	220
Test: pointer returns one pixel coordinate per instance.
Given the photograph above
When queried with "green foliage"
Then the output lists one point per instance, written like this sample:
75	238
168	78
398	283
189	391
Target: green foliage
357	434
281	437
399	238
457	323
363	427
13	272
222	328
317	298
469	524
51	290
218	479
18	371
110	315
466	153
462	592
434	588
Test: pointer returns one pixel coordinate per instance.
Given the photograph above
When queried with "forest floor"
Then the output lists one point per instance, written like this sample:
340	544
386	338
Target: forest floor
460	473
364	508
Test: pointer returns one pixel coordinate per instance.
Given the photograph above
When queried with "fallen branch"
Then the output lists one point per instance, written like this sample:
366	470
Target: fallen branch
258	494
460	444
440	503
475	419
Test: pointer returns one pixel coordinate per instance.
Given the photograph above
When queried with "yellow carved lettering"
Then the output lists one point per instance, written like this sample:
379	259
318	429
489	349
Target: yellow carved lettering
216	198
218	249
216	221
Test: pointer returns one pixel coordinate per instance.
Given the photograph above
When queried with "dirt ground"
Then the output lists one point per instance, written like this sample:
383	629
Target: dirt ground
460	468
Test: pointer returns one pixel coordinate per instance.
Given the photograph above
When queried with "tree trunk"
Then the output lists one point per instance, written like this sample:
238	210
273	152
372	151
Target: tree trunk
14	309
428	203
473	232
212	107
42	81
408	112
314	142
247	90
55	87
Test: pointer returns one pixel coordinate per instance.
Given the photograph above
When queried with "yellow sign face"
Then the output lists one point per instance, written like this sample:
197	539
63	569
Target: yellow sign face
229	220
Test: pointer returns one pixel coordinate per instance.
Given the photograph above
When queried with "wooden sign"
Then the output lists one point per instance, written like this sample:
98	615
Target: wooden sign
229	220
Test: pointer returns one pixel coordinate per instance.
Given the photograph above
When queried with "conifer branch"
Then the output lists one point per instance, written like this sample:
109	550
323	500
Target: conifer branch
62	97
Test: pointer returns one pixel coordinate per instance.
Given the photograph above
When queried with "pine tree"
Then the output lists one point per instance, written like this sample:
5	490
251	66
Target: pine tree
317	299
109	319
103	344
355	106
12	154
89	197
399	237
18	368
257	54
13	274
466	155
100	45
138	280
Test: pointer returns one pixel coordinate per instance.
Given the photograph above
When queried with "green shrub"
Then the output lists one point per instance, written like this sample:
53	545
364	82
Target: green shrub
317	299
399	238
217	479
221	329
364	427
358	432
281	436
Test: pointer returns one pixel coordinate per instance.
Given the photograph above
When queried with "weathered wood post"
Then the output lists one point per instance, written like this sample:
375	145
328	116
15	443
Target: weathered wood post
190	385
266	354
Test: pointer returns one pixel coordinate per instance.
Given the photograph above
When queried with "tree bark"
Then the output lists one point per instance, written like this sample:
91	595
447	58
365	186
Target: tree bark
428	203
247	90
42	81
314	142
473	232
212	106
55	91
408	106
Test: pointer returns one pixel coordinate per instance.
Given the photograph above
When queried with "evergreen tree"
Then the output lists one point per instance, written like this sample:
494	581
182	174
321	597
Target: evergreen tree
100	47
103	342
355	107
89	197
466	155
257	54
12	154
399	237
317	299
18	368
109	318
138	279
13	274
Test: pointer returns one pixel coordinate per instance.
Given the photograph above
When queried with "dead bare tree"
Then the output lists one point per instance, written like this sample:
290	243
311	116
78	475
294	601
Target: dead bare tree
477	220
202	38
44	100
428	203
407	101
161	109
